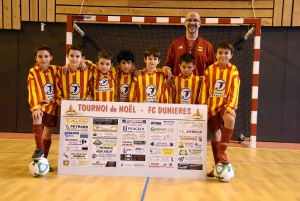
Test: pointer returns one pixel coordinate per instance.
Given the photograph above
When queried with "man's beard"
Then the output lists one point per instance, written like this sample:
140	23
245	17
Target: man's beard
192	31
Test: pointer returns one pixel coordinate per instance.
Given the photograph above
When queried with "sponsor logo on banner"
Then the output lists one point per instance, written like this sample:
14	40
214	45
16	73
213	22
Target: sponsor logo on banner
137	122
101	121
190	124
72	134
78	155
84	135
188	166
105	135
132	157
105	128
188	137
165	151
133	129
155	151
162	144
130	136
190	131
81	121
75	141
72	127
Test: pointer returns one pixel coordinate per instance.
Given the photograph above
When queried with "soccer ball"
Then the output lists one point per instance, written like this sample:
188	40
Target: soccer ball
40	167
224	172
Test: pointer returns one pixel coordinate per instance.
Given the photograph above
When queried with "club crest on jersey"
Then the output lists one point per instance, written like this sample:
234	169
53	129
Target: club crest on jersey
220	85
48	89
103	82
151	90
74	88
185	94
124	89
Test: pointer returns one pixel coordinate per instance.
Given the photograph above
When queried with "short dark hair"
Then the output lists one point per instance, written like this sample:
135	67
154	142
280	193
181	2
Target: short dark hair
43	47
105	55
152	51
76	47
187	58
125	55
225	45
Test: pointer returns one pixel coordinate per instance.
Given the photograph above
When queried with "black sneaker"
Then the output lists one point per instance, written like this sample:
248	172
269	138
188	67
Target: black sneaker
38	153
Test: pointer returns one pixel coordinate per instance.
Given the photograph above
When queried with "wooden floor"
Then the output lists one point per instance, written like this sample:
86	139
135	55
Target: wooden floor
260	174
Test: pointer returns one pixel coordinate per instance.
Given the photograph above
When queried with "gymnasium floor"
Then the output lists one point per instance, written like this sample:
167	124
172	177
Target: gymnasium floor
270	172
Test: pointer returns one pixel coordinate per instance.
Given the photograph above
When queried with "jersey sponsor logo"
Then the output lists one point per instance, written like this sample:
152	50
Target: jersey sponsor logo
185	94
74	88
48	89
180	47
103	82
124	89
220	85
151	90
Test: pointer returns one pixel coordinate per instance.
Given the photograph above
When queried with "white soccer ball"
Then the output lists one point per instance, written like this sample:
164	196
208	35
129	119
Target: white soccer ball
39	168
224	172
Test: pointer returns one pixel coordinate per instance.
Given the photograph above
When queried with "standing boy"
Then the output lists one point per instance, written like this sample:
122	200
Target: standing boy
220	91
186	87
40	84
150	86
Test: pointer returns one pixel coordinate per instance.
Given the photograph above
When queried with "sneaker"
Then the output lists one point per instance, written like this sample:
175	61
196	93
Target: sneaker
223	157
38	153
211	174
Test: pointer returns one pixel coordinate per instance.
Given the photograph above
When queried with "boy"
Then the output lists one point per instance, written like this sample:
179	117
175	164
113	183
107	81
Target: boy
103	78
220	91
124	75
150	86
75	83
40	84
186	87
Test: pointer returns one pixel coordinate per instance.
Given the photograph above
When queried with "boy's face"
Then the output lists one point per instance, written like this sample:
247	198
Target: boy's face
43	58
125	66
223	56
104	65
74	58
186	68
151	62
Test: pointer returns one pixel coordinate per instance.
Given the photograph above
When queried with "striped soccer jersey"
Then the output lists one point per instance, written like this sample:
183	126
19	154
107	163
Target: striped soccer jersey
40	84
74	85
220	88
103	85
149	87
185	89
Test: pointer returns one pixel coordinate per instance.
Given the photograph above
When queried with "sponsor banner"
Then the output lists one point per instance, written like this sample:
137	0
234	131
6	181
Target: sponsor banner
81	121
73	127
161	137
161	165
105	128
105	135
101	121
71	141
105	142
165	151
134	122
75	163
189	166
78	156
161	144
155	151
72	134
100	163
191	124
133	129
190	131
161	159
162	130
162	123
190	159
84	135
132	157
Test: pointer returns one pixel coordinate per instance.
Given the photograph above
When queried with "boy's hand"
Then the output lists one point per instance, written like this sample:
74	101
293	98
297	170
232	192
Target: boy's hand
137	72
66	69
37	114
83	65
170	80
89	98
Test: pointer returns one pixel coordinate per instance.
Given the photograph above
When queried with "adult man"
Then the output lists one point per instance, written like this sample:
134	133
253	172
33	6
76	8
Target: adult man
191	43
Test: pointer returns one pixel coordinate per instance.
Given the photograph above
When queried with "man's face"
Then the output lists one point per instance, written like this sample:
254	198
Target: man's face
192	22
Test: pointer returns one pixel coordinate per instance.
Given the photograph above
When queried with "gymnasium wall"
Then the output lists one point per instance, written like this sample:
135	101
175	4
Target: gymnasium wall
272	12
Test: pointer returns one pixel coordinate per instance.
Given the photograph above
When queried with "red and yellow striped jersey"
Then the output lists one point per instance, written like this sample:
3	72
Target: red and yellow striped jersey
185	89
103	85
149	87
74	85
41	87
122	84
220	88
